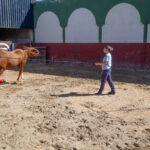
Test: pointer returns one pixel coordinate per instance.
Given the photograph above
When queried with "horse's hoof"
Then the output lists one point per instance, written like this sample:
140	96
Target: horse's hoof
4	81
22	77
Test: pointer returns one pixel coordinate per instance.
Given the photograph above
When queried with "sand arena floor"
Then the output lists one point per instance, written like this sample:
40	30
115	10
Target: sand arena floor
55	108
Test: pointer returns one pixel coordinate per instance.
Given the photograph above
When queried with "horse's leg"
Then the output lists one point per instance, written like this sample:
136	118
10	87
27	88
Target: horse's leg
21	71
22	76
5	75
2	70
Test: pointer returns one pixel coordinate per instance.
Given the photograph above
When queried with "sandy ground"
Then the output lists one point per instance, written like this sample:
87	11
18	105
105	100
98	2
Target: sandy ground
54	108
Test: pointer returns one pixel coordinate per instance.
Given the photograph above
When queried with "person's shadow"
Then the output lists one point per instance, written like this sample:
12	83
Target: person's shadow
74	94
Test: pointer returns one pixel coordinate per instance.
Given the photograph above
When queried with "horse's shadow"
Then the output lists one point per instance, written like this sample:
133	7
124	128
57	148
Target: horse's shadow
3	83
11	83
74	94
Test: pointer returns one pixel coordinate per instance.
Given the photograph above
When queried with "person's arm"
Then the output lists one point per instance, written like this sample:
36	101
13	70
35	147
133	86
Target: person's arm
101	64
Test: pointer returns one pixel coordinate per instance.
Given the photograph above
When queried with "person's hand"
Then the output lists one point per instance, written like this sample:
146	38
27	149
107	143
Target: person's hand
97	64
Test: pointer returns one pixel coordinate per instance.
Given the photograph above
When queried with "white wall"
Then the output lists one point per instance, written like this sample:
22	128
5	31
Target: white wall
82	27
48	29
123	25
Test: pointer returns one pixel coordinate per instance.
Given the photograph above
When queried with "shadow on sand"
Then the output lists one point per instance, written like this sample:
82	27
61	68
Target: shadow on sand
88	72
74	94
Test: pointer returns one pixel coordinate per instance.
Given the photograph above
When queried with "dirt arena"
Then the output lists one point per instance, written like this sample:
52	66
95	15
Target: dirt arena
55	108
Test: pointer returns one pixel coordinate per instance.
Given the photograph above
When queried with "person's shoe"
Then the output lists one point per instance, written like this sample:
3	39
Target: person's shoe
112	93
98	93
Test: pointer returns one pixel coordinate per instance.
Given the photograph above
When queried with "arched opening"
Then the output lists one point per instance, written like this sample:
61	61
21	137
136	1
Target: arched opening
82	27
123	25
48	29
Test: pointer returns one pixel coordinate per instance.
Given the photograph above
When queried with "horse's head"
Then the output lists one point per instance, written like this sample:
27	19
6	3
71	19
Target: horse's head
32	51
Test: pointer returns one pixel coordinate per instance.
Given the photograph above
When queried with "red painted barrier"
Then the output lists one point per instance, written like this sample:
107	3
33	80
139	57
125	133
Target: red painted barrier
131	56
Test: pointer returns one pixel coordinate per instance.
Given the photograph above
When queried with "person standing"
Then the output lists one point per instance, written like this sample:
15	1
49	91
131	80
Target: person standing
106	71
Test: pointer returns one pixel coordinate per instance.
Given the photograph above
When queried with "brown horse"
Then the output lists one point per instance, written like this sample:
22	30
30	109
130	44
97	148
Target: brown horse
16	58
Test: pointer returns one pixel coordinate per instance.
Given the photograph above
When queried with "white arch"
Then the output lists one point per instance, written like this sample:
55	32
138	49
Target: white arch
123	25
82	27
48	29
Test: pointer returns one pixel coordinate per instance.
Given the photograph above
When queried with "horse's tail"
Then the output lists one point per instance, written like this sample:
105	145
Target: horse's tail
33	52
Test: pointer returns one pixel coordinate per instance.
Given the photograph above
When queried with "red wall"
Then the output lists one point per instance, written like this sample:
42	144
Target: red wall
134	56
